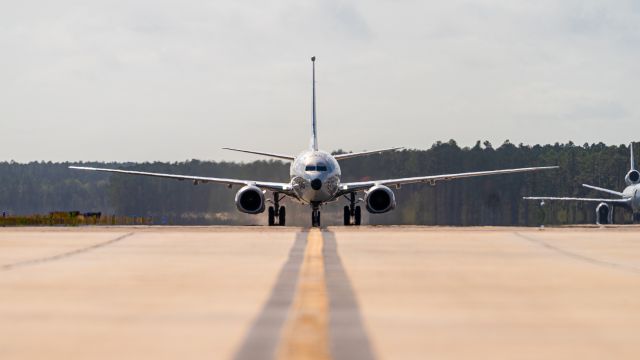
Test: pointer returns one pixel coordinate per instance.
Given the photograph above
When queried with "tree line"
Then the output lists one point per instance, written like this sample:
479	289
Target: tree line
42	187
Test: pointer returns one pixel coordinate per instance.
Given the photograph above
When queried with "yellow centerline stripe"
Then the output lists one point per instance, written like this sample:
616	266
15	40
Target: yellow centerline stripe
305	334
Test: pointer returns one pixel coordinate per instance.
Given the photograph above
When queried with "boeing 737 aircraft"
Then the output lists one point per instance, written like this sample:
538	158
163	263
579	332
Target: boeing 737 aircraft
629	197
315	181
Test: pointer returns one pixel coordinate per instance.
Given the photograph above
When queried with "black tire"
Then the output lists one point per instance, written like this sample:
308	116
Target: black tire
272	216
358	216
283	216
315	218
347	216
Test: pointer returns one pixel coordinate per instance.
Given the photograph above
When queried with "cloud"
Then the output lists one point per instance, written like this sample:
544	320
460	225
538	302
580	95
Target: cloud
186	78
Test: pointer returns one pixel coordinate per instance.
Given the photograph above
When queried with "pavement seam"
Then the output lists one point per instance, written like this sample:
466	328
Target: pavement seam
580	257
62	256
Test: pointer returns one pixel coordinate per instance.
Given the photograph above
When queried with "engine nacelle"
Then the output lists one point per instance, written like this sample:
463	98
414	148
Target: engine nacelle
380	199
632	178
604	214
250	200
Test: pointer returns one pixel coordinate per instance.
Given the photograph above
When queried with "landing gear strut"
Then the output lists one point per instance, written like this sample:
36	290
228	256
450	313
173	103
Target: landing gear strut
277	213
315	216
352	213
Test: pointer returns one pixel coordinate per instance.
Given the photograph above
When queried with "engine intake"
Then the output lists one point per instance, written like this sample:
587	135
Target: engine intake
604	214
633	177
250	200
380	199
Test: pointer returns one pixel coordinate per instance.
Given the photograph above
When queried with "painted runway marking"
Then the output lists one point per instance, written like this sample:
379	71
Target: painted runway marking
65	255
262	339
580	257
312	312
305	335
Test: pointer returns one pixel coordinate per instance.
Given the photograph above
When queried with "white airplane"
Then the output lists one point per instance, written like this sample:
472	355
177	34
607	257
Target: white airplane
315	181
629	198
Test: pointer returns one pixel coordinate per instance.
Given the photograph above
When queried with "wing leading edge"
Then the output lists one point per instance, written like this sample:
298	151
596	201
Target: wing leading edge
273	186
624	200
550	198
358	186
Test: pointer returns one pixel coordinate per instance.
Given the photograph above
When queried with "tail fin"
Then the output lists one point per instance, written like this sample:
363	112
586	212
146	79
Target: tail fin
633	163
314	129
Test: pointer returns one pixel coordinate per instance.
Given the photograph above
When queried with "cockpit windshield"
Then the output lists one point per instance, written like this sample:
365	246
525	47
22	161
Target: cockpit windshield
317	167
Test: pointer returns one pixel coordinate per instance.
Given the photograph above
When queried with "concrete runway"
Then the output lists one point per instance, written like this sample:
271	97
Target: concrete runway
342	293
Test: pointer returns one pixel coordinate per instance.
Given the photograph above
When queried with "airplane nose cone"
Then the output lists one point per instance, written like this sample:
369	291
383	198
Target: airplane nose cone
316	184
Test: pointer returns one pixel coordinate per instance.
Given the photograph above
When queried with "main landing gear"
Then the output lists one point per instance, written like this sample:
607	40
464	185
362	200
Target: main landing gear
352	213
277	213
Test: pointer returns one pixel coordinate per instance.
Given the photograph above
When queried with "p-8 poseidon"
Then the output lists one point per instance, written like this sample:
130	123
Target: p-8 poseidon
315	181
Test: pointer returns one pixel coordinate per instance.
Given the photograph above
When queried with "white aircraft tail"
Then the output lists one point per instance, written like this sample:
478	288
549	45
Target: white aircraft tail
314	129
633	163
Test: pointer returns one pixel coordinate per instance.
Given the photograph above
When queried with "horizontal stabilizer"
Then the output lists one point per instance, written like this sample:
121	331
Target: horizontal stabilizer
277	156
612	192
364	153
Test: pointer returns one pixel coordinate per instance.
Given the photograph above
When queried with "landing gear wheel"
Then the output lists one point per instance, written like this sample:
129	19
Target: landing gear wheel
272	216
352	213
347	216
636	218
315	218
358	216
282	216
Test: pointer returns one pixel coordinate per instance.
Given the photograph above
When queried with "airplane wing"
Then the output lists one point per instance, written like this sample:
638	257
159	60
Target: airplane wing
363	153
358	186
612	201
277	156
273	186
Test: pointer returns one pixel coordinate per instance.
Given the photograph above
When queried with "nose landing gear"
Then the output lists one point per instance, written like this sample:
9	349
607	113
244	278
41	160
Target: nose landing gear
352	213
315	218
277	213
315	215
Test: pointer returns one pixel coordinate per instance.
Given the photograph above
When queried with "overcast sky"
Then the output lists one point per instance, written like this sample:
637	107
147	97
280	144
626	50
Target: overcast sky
137	80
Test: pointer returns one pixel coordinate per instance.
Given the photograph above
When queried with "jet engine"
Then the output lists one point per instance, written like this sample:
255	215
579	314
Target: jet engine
250	200
604	214
632	178
380	199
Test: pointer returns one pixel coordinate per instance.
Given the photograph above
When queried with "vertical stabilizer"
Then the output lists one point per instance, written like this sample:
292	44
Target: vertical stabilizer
314	130
633	163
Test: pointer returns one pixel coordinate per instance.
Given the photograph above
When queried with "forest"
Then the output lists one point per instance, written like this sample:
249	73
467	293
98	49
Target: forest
44	187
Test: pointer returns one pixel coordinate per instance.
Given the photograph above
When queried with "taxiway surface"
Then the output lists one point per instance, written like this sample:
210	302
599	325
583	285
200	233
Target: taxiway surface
342	293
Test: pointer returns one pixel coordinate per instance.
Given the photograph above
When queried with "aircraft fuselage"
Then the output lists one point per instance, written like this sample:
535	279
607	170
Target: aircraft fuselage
315	177
633	192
